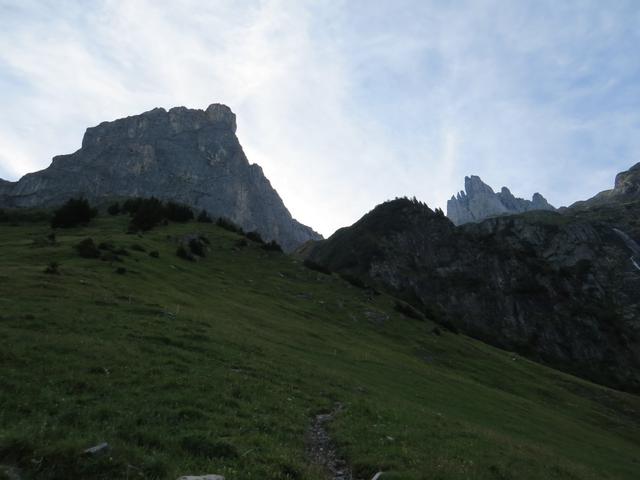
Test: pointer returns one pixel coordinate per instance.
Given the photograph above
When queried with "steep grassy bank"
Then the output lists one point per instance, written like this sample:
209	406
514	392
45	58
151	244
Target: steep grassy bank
218	366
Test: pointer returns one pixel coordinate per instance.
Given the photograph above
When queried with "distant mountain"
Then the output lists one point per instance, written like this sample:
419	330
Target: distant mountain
189	156
479	201
626	188
562	289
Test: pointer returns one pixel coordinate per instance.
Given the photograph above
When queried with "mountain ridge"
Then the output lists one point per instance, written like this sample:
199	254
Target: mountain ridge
478	201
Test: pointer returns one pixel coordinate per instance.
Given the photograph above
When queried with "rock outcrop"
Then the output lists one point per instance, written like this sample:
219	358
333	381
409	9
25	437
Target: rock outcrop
478	201
556	288
626	188
185	155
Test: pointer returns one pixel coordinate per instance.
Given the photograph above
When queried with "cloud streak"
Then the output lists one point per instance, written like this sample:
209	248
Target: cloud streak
343	103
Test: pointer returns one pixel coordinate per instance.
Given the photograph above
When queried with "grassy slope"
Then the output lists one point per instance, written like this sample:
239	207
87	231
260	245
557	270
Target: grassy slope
218	366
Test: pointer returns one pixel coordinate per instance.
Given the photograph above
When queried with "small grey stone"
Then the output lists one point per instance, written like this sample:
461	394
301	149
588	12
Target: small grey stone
99	449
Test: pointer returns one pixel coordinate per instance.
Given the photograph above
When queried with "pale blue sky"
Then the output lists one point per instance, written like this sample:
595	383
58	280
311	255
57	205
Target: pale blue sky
344	103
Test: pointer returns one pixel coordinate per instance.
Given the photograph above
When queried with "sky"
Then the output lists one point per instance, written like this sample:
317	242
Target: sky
344	103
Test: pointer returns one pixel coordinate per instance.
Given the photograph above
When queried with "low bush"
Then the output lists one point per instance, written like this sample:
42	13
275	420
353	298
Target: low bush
227	224
197	247
52	268
138	248
203	217
254	237
183	253
114	209
272	246
154	254
177	212
87	249
149	212
76	211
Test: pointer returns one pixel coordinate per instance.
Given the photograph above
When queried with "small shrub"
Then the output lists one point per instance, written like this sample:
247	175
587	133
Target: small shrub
52	268
177	212
154	254
76	211
203	217
114	209
138	248
121	270
272	246
131	205
87	249
310	264
196	247
149	213
242	243
229	225
3	216
254	237
183	253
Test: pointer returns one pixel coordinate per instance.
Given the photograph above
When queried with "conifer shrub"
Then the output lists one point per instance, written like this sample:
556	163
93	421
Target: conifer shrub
52	268
197	247
149	212
177	212
87	248
272	246
76	211
254	236
183	253
114	209
227	224
203	217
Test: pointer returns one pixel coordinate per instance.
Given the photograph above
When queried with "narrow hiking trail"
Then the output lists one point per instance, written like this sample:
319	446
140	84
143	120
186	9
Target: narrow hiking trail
321	449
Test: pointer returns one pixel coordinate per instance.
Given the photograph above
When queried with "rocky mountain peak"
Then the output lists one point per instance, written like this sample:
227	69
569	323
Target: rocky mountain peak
186	155
479	202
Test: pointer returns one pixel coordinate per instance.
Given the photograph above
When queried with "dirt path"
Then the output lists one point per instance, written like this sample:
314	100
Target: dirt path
321	449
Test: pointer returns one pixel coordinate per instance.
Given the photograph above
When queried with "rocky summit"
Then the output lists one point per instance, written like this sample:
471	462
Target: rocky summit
185	155
479	202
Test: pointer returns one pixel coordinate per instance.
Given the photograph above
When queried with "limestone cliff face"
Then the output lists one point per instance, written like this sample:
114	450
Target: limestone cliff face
189	156
561	289
479	202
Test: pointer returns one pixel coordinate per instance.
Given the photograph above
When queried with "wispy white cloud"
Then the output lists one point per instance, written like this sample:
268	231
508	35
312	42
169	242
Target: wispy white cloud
343	103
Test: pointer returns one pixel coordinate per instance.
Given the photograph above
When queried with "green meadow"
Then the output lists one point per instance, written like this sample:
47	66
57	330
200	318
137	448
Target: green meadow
220	365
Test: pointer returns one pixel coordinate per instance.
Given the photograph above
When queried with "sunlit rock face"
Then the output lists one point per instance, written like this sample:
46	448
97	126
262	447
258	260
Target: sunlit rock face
478	201
186	155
